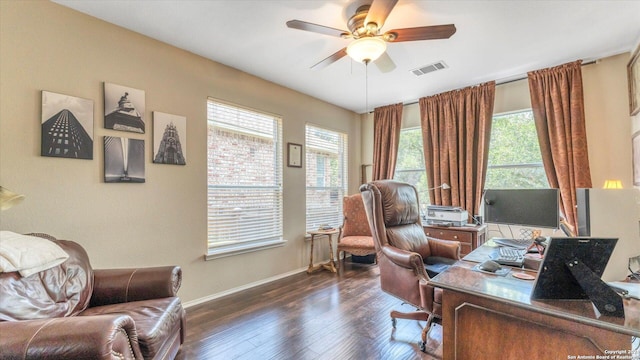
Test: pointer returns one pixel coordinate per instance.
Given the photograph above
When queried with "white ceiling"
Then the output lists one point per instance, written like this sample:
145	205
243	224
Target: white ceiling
495	40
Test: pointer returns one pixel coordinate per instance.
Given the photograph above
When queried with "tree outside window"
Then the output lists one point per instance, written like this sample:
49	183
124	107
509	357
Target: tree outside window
515	161
410	167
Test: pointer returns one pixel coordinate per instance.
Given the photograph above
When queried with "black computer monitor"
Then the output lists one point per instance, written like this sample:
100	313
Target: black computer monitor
572	270
524	207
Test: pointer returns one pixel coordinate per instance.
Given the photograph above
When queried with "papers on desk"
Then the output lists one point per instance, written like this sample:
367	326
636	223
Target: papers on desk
633	289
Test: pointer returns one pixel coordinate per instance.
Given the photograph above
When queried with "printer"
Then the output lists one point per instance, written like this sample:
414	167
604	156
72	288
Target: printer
446	215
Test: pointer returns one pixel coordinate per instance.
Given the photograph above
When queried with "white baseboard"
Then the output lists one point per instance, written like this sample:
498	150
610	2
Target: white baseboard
241	288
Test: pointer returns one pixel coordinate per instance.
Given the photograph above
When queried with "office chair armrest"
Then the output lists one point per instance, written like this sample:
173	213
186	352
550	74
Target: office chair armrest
445	248
403	258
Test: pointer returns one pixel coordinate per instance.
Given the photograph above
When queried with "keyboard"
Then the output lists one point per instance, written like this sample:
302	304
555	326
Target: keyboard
509	256
514	243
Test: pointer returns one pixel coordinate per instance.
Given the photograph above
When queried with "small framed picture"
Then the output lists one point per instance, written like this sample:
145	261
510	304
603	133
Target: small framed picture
67	126
123	160
169	139
124	108
635	145
633	70
294	155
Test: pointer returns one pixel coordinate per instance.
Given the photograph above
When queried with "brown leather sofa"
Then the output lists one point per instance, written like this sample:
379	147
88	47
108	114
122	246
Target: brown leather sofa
404	251
74	312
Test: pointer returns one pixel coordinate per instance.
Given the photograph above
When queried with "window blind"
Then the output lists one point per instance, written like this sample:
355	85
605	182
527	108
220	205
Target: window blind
326	176
244	176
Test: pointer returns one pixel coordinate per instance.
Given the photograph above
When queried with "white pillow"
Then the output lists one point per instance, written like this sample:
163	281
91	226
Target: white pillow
28	254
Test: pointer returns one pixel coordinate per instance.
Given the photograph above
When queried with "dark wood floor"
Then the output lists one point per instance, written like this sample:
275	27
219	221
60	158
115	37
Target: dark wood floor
318	316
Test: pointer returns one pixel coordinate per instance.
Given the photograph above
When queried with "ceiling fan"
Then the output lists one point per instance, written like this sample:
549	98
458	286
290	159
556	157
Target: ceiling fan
369	43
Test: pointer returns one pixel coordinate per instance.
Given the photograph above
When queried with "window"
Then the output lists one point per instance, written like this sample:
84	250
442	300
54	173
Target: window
514	160
326	163
410	167
244	179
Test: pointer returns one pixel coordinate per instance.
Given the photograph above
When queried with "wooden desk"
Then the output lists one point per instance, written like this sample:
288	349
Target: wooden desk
330	265
470	237
486	316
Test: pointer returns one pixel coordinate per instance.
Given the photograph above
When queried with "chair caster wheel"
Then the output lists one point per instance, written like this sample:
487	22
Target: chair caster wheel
423	346
394	322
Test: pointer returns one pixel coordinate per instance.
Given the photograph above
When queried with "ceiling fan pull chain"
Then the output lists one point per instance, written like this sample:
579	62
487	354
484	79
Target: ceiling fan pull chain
366	87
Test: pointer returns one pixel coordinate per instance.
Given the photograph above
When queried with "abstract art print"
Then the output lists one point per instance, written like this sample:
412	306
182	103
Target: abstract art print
67	126
123	108
169	139
123	160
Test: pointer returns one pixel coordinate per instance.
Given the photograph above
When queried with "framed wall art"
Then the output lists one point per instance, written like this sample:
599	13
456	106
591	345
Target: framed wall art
123	160
294	155
169	139
635	145
67	126
633	72
123	108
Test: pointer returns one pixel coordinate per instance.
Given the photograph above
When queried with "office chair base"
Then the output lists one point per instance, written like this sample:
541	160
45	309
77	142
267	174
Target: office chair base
416	315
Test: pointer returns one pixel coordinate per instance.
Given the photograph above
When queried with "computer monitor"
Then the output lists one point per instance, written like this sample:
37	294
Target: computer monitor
572	270
524	207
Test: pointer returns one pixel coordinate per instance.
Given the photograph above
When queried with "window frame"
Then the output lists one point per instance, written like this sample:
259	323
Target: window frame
244	246
343	173
523	165
422	194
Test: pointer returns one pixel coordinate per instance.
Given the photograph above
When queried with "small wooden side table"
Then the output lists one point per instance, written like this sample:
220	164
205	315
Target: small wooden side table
329	265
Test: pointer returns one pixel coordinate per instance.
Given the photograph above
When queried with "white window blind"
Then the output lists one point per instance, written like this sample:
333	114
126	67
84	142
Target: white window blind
326	176
244	178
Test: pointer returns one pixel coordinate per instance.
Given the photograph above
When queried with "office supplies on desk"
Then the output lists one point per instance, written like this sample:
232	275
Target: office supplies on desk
489	267
446	215
521	244
509	256
572	269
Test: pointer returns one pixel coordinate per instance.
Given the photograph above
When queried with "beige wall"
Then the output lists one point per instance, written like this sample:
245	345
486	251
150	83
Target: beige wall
606	107
606	117
45	46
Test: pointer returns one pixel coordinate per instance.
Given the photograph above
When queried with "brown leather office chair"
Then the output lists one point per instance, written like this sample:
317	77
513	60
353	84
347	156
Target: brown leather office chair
404	250
355	233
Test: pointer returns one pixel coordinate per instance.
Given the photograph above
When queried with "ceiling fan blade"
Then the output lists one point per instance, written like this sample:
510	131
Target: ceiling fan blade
384	63
331	59
379	11
321	29
420	33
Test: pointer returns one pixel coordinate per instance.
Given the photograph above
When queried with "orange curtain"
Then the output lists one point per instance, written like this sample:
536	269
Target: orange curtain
558	111
386	135
456	128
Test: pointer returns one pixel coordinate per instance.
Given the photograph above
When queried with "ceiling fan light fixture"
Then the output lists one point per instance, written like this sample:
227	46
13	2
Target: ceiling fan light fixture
366	49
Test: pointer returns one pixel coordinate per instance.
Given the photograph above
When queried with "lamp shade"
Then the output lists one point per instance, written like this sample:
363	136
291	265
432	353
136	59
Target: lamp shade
366	49
612	184
8	198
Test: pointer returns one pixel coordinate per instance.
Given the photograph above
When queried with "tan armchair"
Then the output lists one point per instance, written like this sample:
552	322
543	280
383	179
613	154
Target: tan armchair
404	250
355	234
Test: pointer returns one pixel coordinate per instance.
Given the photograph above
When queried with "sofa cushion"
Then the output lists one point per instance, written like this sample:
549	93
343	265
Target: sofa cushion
355	218
63	290
364	243
156	321
28	254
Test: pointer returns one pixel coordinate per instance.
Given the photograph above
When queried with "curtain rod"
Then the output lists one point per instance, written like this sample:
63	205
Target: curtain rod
500	82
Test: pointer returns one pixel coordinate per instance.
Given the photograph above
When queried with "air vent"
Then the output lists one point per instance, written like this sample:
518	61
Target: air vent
429	68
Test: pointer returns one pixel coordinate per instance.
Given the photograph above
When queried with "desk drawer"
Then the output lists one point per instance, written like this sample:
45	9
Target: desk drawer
455	235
